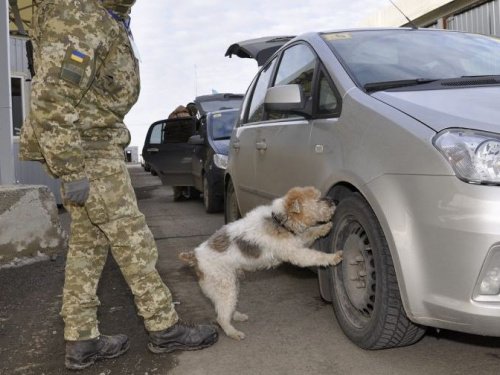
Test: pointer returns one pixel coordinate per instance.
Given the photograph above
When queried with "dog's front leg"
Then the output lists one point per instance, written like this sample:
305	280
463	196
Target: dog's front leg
311	234
304	257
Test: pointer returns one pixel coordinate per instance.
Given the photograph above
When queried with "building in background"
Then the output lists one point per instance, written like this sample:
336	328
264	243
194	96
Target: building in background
474	16
132	154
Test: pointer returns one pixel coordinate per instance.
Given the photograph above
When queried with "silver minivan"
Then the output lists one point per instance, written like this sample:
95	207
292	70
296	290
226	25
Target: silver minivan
402	128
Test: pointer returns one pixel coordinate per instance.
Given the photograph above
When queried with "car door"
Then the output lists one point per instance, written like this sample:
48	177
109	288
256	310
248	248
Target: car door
283	159
243	149
167	150
199	146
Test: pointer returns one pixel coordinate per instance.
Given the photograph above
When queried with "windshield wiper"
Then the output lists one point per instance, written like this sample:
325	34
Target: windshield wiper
378	86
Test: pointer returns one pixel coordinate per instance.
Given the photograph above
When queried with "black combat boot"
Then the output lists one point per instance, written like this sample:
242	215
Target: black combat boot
82	354
183	336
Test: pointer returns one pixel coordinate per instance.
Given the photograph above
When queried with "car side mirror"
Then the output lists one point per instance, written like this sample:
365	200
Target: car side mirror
196	140
288	98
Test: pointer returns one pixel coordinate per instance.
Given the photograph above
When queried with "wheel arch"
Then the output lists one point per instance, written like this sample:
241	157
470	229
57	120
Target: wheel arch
337	192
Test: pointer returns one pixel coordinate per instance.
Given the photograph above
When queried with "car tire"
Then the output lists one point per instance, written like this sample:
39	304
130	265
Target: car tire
177	193
231	209
184	193
364	287
212	202
191	193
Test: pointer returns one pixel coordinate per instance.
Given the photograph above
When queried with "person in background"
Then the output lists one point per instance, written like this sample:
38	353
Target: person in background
86	80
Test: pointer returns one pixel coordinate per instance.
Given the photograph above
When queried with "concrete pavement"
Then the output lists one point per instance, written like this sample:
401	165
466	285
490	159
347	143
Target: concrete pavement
291	330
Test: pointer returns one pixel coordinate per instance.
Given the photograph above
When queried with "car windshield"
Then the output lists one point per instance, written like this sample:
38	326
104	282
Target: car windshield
223	124
218	105
414	56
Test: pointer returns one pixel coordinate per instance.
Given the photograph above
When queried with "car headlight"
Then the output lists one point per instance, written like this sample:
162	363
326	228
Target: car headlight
220	161
473	155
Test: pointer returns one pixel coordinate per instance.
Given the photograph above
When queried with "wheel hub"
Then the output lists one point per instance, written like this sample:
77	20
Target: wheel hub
358	272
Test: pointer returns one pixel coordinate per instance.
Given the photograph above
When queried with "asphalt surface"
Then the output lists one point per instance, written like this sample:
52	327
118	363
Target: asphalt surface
290	331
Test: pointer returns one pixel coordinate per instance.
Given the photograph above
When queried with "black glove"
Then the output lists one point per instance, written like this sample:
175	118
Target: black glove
77	192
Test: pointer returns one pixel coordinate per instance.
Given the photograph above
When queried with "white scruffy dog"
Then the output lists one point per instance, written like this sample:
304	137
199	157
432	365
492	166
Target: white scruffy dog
264	238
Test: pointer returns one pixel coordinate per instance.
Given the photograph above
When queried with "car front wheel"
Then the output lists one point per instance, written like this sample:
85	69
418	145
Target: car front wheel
364	288
212	202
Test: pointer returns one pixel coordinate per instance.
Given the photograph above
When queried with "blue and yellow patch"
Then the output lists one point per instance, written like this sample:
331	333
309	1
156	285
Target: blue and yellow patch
74	66
77	56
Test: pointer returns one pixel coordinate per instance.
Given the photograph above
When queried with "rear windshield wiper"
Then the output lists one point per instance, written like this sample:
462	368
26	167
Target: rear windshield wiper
378	86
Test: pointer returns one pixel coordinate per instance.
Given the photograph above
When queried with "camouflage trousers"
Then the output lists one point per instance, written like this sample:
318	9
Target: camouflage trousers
111	219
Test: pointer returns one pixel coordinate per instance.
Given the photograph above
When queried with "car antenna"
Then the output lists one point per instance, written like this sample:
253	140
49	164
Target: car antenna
413	26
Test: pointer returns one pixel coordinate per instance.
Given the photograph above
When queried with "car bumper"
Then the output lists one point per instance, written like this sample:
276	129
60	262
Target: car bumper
441	231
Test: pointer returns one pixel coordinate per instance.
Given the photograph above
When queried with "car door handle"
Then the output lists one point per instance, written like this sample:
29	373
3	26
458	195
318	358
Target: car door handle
154	149
261	145
236	144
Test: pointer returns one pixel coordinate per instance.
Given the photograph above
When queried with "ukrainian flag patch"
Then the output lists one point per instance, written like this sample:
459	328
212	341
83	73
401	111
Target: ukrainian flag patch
77	56
75	66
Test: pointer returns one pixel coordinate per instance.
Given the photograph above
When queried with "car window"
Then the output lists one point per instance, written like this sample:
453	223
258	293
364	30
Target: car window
256	111
157	134
328	100
218	105
297	67
178	131
223	124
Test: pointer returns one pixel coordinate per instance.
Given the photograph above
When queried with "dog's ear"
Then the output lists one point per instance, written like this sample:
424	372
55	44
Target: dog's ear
295	206
293	200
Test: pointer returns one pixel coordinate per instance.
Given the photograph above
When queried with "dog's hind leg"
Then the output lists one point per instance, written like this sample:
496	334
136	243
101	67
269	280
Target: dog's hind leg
224	295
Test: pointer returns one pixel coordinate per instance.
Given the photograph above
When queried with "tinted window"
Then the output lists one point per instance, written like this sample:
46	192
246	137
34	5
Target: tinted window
178	131
223	124
256	111
297	67
246	100
157	134
328	102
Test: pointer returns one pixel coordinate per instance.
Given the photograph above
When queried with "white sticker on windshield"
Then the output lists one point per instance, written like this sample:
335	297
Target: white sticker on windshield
336	36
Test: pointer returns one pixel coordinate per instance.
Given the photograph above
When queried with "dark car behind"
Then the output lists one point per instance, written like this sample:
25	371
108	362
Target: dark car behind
166	151
211	147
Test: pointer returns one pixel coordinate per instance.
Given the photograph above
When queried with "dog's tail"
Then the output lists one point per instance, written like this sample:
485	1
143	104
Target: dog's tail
189	258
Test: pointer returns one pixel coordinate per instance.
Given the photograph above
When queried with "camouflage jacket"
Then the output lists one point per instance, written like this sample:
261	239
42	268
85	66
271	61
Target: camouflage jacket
87	79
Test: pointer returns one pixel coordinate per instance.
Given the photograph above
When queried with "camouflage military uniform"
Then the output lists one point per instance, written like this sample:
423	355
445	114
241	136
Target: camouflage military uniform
86	80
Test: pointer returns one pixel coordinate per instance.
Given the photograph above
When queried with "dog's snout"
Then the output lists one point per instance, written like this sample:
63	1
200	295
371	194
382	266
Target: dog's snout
330	201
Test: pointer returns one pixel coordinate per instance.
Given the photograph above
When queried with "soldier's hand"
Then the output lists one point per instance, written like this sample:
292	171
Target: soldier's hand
77	192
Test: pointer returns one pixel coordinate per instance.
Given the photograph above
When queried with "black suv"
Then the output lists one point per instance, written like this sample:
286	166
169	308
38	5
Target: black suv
210	150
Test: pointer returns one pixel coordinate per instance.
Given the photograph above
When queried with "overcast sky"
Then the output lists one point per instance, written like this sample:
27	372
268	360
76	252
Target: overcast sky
182	46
